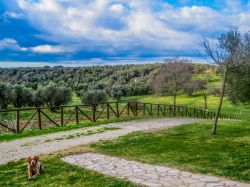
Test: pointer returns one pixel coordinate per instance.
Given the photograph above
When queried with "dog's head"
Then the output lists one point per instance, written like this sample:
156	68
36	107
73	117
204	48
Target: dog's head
32	160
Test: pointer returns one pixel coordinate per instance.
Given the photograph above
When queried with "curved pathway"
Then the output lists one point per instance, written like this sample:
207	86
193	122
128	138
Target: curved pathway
145	174
22	148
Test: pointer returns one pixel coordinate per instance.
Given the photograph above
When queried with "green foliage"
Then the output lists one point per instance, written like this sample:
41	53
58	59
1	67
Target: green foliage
20	96
117	92
238	86
116	81
55	96
133	78
94	97
38	98
4	96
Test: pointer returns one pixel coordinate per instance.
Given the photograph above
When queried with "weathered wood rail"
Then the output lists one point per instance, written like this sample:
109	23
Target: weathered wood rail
63	115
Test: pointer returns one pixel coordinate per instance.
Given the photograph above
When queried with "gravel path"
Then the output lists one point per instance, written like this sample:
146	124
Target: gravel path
22	148
148	175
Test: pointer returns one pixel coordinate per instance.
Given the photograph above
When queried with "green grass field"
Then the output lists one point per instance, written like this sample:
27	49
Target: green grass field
189	147
57	173
197	101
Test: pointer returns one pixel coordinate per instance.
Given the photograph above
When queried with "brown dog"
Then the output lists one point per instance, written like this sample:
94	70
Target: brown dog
34	166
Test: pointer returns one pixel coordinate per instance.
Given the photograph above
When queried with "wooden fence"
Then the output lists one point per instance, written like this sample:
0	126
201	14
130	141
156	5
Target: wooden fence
17	120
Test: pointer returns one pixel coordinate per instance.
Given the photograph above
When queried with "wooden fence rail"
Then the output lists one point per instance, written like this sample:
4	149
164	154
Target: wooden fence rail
78	113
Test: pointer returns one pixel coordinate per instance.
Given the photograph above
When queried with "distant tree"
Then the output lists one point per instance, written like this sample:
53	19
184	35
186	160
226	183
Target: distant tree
55	96
94	97
229	53
37	97
172	77
117	92
20	96
4	96
197	85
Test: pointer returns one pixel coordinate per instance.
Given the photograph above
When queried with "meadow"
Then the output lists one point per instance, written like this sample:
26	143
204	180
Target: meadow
188	147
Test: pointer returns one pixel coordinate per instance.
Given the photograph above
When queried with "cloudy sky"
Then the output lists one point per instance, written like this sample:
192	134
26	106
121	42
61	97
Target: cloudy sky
117	31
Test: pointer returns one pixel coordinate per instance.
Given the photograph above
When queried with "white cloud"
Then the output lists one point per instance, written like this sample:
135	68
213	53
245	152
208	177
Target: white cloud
46	49
120	25
49	49
117	7
9	43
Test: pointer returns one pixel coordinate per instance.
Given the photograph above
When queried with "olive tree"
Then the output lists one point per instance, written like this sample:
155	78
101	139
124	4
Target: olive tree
20	96
4	96
117	92
38	98
52	95
94	97
228	53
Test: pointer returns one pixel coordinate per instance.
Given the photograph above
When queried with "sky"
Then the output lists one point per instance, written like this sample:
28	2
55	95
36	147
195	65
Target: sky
86	32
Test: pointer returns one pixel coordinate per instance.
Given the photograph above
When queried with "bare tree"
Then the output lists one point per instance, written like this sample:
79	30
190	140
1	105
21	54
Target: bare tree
172	77
229	53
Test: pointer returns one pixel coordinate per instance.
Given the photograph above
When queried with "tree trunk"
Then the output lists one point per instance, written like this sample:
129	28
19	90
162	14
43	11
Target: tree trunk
220	101
205	100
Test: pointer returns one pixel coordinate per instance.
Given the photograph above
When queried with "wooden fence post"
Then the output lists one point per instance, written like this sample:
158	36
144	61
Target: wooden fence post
61	110
117	110
107	110
94	113
144	108
39	118
128	105
151	109
77	115
136	108
158	110
17	121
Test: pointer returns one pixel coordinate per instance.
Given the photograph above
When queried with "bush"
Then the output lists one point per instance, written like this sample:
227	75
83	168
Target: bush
94	97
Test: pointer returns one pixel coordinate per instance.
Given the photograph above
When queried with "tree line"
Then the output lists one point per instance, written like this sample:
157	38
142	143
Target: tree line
21	96
53	86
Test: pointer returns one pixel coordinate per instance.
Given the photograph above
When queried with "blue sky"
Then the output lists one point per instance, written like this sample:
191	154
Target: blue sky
117	31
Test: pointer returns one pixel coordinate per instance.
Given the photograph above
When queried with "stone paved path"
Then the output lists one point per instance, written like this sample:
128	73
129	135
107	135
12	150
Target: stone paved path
148	175
22	148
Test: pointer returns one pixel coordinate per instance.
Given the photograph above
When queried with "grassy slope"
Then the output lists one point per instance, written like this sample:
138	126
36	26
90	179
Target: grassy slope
194	101
189	147
57	173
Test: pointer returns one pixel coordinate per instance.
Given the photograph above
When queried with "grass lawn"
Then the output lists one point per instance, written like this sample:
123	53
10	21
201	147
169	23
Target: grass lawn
57	173
189	147
195	101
